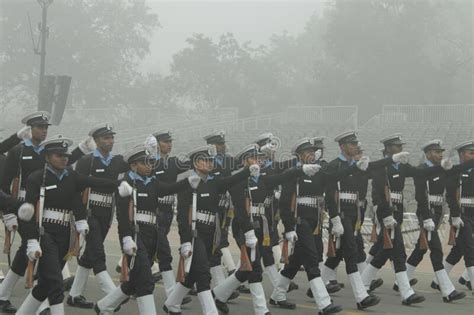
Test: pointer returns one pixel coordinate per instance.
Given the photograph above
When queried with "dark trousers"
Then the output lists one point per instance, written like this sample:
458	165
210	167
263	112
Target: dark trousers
306	252
255	275
94	253
436	250
397	254
140	280
199	272
54	246
20	261
333	262
349	248
165	218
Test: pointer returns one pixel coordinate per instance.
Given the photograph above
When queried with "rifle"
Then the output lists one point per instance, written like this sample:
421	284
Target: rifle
181	273
334	244
453	231
285	249
32	266
245	264
194	233
15	190
388	237
132	211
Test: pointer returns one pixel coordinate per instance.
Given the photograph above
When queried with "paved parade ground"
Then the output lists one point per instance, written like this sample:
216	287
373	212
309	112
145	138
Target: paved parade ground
390	300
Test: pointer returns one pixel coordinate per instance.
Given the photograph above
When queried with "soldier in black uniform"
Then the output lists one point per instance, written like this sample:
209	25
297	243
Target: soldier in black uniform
22	134
224	165
460	198
22	160
166	170
100	205
387	193
271	255
429	194
48	234
206	236
137	207
252	201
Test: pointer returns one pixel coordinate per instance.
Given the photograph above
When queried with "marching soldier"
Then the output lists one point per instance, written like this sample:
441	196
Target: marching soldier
224	165
99	204
137	206
459	195
387	193
55	190
253	204
429	194
271	255
201	237
167	169
22	160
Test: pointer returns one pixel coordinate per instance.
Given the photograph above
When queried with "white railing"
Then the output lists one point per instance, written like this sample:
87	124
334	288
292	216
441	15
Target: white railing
452	113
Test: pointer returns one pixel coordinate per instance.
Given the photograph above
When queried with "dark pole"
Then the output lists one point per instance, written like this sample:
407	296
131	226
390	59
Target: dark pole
44	34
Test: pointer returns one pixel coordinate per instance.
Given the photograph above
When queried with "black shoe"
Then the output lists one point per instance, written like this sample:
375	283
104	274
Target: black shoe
293	286
453	296
46	311
222	307
186	300
244	290
79	301
67	283
193	292
330	309
283	304
369	301
338	283
413	299
465	282
435	286
234	295
412	283
268	313
375	284
165	309
118	269
333	287
6	307
157	276
309	293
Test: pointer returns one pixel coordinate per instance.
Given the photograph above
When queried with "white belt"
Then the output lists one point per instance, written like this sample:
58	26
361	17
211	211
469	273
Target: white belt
205	217
257	210
22	195
397	197
99	199
467	201
348	197
145	217
57	216
168	200
436	199
308	201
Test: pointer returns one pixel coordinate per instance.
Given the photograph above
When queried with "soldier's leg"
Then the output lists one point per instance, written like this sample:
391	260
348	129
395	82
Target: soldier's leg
163	251
466	241
16	272
202	276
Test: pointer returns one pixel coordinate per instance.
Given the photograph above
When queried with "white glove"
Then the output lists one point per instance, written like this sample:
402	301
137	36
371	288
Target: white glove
129	245
447	164
429	225
277	194
82	227
291	236
87	145
269	148
194	181
33	249
311	169
389	222
337	228
125	189
318	154
254	170
401	157
250	239
11	221
151	144
363	163
457	222
24	133
185	249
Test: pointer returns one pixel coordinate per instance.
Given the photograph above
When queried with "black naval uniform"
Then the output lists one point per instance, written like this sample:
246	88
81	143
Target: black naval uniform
100	203
23	160
462	184
9	143
148	191
62	201
208	192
